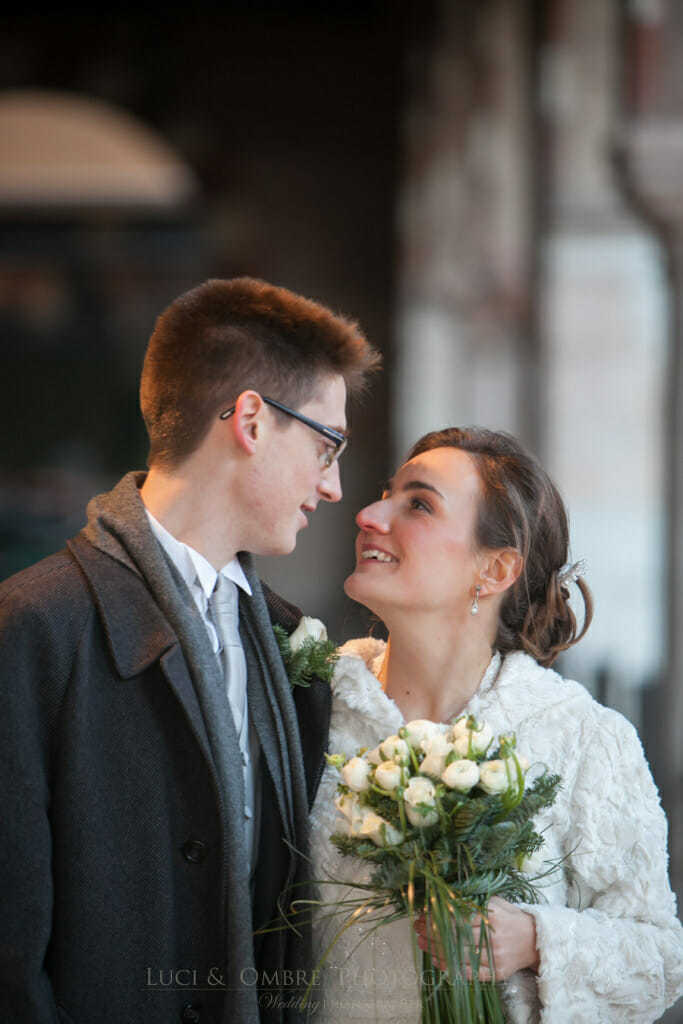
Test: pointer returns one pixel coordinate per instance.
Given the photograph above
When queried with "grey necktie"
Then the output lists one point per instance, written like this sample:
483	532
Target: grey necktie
224	608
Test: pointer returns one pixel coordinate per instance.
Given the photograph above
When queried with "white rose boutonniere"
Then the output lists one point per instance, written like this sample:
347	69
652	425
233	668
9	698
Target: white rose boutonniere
308	629
307	652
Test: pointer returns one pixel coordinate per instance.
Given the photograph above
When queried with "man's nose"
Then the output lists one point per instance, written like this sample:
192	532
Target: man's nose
330	488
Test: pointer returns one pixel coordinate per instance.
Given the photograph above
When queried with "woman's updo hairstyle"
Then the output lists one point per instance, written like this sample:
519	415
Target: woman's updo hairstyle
521	508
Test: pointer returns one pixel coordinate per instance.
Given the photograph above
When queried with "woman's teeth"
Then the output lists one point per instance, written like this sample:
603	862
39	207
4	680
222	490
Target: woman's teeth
379	556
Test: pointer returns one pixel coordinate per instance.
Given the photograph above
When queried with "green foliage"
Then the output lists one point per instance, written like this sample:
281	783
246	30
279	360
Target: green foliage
478	844
452	868
541	794
449	871
314	659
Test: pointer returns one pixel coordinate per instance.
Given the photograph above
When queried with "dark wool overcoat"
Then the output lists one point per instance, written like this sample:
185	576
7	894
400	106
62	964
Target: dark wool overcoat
116	891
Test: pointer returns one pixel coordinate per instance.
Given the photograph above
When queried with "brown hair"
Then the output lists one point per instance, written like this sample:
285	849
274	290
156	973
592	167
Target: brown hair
522	509
223	337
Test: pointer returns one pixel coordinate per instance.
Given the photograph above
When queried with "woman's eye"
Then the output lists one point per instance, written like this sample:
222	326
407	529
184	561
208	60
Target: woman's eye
419	505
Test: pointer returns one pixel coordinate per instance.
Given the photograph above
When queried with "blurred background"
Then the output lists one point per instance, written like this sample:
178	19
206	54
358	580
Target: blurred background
492	188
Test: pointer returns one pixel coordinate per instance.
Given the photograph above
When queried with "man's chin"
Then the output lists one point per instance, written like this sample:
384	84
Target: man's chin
285	548
275	547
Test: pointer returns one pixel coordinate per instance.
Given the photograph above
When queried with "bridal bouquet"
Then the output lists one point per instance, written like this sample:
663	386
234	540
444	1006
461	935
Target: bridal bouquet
445	817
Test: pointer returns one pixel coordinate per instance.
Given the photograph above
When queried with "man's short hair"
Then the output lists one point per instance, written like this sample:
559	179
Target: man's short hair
224	337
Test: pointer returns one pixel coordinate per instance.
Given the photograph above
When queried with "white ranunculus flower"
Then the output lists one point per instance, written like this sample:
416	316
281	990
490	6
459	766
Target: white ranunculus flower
373	756
480	739
493	776
459	726
394	748
461	775
437	748
421	729
420	791
388	775
523	764
535	864
355	774
348	805
371	828
308	629
439	743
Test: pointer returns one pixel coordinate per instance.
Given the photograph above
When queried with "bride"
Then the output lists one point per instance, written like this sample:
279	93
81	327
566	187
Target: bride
464	559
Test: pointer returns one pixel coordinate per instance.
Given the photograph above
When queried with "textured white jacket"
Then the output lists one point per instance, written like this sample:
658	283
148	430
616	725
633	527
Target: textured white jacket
611	947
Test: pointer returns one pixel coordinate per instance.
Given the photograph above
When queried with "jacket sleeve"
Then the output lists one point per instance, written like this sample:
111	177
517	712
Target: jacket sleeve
33	673
617	956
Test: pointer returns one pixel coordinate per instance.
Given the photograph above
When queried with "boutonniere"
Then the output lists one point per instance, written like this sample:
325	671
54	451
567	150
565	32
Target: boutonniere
307	652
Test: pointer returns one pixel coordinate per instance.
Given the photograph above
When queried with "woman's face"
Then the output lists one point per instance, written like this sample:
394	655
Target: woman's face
416	550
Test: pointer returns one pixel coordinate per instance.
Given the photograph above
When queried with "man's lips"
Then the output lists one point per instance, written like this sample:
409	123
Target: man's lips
304	509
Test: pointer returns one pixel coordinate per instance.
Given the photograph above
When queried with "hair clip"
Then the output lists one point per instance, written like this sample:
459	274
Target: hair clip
570	573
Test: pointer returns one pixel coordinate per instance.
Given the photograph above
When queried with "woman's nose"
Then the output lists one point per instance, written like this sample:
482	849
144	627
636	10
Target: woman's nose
374	518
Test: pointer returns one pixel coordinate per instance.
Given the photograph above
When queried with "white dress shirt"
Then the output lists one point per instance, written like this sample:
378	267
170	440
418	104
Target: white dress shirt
200	577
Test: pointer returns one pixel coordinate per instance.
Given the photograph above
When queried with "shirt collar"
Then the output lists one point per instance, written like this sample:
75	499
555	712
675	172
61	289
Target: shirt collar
192	565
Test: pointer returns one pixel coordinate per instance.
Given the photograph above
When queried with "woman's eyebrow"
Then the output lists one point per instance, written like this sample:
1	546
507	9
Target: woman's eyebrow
420	485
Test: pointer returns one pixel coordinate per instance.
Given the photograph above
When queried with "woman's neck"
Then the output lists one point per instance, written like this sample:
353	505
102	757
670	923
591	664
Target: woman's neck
433	673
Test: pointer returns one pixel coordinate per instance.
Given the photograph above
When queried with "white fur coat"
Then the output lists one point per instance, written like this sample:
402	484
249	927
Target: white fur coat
611	947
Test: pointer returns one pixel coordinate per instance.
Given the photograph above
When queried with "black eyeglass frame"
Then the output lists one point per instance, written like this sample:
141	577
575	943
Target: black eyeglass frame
339	440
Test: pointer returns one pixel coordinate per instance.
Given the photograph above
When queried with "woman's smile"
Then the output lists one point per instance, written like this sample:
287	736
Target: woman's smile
373	553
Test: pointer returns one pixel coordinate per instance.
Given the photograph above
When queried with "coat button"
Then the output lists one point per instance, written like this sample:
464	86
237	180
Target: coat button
195	851
189	1015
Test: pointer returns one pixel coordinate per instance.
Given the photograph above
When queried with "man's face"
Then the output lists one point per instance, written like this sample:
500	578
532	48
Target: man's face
292	478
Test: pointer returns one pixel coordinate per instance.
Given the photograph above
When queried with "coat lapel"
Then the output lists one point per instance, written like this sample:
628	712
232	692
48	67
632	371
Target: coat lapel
264	711
137	633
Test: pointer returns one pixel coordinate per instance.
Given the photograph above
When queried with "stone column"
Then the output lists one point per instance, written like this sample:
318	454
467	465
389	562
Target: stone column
464	224
602	300
650	151
653	157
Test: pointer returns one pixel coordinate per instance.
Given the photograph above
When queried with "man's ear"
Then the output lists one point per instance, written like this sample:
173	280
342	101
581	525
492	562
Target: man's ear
499	570
246	421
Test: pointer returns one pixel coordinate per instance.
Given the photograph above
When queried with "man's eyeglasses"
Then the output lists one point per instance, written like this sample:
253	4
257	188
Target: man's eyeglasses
330	455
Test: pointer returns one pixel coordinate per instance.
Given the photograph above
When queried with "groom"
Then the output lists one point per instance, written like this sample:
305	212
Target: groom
157	768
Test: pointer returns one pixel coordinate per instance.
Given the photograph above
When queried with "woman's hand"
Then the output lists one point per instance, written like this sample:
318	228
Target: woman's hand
512	941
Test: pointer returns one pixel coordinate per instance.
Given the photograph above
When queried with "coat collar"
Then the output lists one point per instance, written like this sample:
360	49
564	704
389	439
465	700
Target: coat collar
514	688
137	633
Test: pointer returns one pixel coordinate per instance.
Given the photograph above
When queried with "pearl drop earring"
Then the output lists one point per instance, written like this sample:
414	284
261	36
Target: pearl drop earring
475	603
